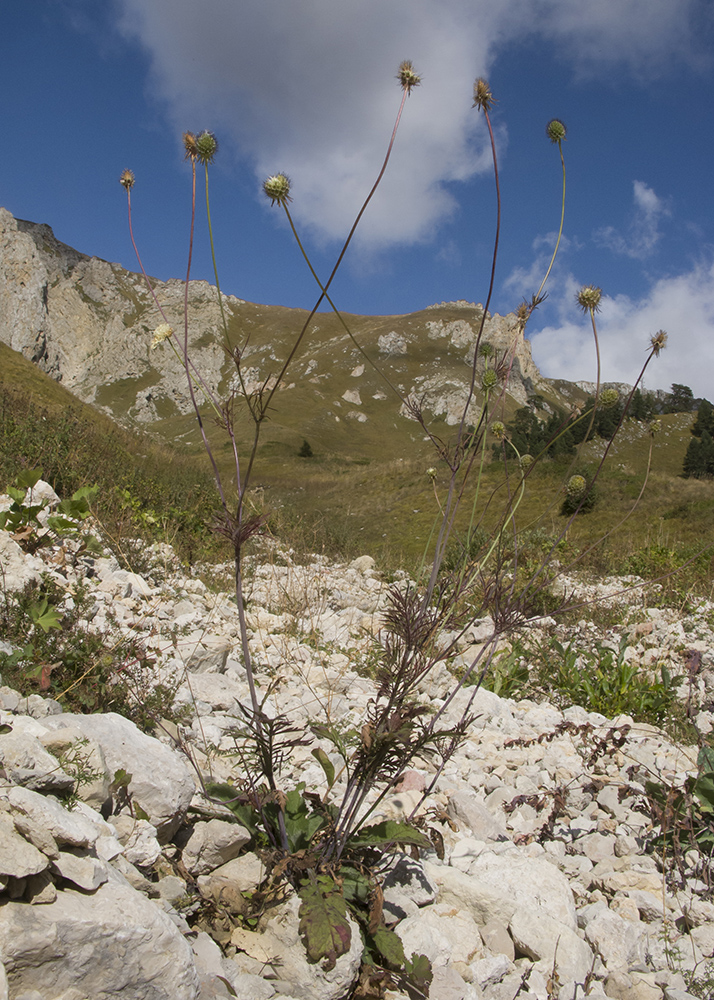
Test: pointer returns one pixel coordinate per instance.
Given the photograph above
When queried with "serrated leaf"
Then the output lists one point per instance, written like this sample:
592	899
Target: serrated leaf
390	947
325	763
389	832
324	928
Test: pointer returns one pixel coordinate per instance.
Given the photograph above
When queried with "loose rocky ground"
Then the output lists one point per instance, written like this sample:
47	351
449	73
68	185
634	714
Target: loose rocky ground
548	887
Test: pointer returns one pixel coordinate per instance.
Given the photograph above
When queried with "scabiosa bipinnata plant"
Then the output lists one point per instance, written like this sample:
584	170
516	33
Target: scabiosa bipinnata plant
658	342
588	298
206	146
277	188
408	79
126	179
483	96
609	398
556	130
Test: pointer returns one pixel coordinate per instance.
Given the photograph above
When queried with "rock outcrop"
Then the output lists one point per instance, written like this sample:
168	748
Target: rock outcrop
88	323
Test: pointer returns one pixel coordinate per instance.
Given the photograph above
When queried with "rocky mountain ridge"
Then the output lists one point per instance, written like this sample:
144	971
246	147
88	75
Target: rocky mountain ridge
88	323
546	887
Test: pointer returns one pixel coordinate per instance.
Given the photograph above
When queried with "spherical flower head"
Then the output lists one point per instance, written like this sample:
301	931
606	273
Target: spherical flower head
498	429
556	130
127	179
483	98
487	350
489	380
162	332
206	147
655	427
576	486
431	473
609	398
408	79
658	341
526	461
588	298
277	188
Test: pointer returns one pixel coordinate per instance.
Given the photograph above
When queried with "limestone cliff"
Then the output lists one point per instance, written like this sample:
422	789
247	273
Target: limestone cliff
88	323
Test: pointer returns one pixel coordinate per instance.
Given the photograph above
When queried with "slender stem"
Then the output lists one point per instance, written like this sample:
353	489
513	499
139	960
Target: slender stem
560	230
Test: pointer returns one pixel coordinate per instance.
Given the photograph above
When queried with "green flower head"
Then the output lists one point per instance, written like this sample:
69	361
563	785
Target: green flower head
555	130
277	188
408	79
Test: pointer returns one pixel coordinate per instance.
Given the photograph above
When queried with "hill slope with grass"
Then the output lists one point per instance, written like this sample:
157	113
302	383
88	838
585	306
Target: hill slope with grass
340	463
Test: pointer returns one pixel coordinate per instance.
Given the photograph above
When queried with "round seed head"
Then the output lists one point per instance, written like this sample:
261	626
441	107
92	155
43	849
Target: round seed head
206	147
588	298
431	473
555	130
277	188
483	98
576	486
127	179
498	429
526	461
489	380
487	350
609	398
655	427
408	79
658	341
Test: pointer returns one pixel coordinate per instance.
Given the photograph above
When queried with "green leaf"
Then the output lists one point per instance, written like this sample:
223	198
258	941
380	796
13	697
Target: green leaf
45	616
324	928
388	832
28	478
705	760
390	947
325	763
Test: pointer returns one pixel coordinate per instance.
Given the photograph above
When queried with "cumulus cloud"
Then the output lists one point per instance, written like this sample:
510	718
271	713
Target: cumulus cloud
309	87
643	232
682	305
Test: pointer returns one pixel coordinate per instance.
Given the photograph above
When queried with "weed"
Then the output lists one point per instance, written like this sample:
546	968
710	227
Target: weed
476	565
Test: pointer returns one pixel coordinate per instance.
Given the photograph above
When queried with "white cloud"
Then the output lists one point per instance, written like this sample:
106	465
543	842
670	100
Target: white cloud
681	305
643	232
308	87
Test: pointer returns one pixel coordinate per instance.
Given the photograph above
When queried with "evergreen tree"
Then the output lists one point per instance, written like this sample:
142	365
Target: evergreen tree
705	419
680	399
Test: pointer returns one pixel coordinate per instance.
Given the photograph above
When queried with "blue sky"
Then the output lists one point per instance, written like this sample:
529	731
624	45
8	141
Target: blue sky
87	89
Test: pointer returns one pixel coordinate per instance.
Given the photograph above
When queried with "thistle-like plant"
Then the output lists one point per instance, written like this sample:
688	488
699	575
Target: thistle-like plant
327	846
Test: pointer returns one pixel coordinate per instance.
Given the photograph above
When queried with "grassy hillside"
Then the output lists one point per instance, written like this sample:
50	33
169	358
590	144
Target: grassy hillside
365	488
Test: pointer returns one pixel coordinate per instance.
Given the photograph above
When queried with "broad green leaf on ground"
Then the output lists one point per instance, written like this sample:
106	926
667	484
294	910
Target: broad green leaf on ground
324	928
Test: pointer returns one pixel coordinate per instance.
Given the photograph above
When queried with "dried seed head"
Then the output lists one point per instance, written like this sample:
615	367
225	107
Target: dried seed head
162	332
556	130
206	147
127	179
489	380
609	398
658	342
408	79
483	98
576	486
487	350
588	298
190	145
277	188
498	429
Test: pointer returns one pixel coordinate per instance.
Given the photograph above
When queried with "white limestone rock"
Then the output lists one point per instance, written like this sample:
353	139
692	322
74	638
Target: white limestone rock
161	783
113	942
